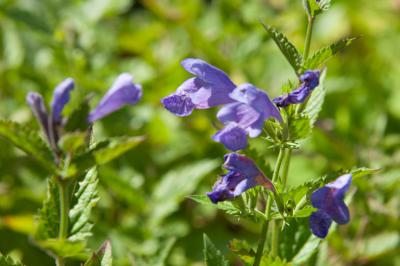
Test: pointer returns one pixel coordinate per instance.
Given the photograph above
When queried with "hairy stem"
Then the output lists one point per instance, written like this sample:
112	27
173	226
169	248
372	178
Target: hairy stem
264	230
64	210
308	37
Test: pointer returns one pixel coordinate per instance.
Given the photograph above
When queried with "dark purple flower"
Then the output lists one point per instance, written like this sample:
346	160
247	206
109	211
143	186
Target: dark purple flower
122	92
329	200
310	80
210	87
243	174
244	117
35	101
61	96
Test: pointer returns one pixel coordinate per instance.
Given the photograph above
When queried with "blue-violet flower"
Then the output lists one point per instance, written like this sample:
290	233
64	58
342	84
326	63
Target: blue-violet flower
310	80
245	116
61	97
242	175
210	87
330	204
122	92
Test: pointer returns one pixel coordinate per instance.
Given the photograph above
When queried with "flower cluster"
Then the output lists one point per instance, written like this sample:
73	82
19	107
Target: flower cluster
242	175
245	106
122	92
329	202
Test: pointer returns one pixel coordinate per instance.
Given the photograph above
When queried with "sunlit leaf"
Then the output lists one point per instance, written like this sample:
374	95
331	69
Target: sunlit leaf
27	140
286	47
85	199
320	57
314	104
8	261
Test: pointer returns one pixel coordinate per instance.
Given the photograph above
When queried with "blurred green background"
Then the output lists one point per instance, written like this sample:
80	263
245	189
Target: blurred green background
143	206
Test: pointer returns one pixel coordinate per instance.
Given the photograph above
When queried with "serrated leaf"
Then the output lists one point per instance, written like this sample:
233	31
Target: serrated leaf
176	185
101	257
314	7
362	171
287	48
27	140
212	256
116	147
314	104
322	55
49	214
8	261
64	248
85	199
300	128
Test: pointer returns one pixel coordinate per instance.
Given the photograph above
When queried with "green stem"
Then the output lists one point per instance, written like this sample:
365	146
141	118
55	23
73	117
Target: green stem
64	210
286	165
308	37
264	230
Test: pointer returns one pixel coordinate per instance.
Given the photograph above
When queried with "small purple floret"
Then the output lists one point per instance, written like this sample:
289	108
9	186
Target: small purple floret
242	175
122	92
36	103
329	200
210	87
251	109
61	97
310	80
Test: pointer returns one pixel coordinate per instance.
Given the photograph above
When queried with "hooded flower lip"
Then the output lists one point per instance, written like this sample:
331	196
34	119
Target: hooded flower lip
61	97
310	80
210	87
251	109
35	101
122	92
329	200
242	175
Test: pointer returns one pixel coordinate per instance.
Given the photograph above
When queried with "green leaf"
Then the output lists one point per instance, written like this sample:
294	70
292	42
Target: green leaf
362	171
300	128
28	19
49	214
73	142
115	148
286	47
322	55
101	257
27	140
268	260
296	234
314	7
242	249
175	185
77	121
85	199
159	260
212	256
8	261
65	248
307	250
314	104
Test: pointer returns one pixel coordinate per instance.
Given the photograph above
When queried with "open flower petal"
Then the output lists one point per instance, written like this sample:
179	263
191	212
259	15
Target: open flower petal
233	137
320	223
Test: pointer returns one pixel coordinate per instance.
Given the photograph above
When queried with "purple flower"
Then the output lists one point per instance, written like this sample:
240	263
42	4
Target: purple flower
61	96
244	117
330	204
310	80
122	92
35	101
210	87
242	175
